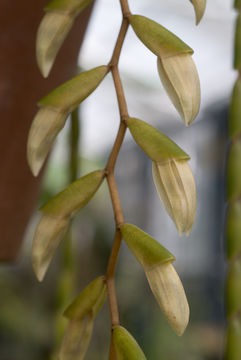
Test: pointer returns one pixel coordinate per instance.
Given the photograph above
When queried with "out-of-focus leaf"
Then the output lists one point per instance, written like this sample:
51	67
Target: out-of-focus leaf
70	94
233	230
233	347
237	4
90	299
75	196
235	110
76	339
237	44
180	79
155	144
233	301
234	171
199	7
126	346
49	232
147	250
159	40
45	127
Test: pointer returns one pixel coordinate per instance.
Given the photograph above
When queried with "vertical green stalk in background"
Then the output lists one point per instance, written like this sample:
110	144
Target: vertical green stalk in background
233	231
67	280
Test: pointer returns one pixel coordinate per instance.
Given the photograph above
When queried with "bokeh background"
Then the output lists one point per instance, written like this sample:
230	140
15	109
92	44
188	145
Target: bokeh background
30	313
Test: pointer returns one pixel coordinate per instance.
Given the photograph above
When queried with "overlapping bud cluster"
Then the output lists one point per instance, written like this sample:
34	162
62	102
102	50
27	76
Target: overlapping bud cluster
172	175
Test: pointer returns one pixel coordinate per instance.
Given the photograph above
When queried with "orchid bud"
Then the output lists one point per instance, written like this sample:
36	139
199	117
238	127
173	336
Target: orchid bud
164	282
57	213
54	29
76	339
126	346
167	288
54	110
175	65
176	188
81	313
180	79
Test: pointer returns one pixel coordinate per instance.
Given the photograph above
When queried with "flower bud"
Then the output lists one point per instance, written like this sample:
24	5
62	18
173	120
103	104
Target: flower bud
167	288
48	122
180	79
126	346
176	188
161	275
57	213
77	338
52	32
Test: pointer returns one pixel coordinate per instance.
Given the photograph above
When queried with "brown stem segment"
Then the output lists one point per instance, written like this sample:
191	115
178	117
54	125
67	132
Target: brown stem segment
110	167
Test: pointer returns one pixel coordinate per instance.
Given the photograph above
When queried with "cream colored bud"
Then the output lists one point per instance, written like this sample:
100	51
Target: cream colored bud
49	232
170	295
76	339
51	34
176	188
180	79
45	127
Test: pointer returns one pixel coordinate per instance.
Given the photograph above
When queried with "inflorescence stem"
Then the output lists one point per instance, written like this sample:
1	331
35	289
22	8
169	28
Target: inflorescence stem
110	167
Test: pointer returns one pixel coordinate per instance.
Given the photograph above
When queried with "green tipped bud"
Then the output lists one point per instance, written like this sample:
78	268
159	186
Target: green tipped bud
233	230
90	299
199	7
234	123
161	275
159	40
75	196
54	29
57	213
147	250
126	346
55	107
49	232
234	171
45	127
71	93
180	79
175	65
156	145
176	188
170	295
76	339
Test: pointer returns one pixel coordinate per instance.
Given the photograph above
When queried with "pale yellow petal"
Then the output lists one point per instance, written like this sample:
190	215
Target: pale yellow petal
170	295
180	79
177	190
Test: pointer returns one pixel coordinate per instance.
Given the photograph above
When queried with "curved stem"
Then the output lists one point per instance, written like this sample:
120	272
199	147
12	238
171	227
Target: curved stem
110	167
